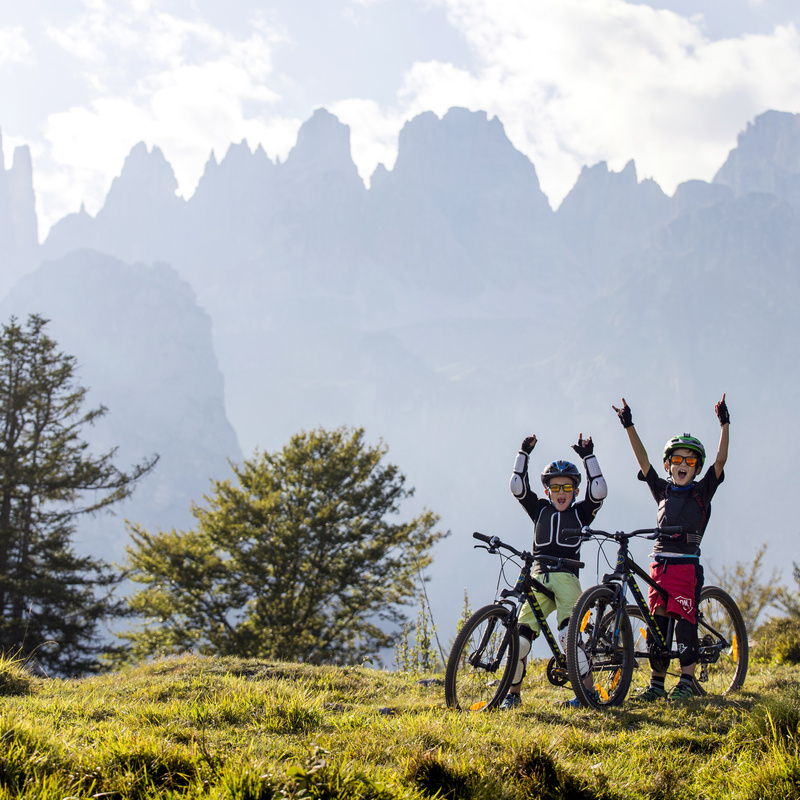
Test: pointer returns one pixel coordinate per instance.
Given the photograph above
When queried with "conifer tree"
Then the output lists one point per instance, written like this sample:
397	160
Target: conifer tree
297	562
51	599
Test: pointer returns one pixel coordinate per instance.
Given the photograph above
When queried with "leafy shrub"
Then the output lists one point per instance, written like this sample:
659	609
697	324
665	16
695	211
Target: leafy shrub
778	641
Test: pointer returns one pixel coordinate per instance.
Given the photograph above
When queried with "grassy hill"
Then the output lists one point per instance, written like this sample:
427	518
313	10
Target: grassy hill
229	728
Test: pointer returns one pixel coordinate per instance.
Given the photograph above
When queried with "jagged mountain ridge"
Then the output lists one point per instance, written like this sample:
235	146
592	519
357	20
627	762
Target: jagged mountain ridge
450	310
19	241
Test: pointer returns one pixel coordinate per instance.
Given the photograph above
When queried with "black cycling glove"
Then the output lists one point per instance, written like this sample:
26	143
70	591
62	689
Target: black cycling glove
722	412
528	443
624	415
585	447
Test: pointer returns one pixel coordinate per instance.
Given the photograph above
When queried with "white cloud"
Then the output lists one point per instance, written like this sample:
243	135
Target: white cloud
580	81
14	47
373	133
181	85
573	81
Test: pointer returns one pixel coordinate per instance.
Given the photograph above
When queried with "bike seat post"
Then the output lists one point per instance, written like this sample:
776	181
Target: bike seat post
670	632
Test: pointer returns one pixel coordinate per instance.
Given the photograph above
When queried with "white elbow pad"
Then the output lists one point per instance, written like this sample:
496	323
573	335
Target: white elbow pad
517	482
597	489
517	485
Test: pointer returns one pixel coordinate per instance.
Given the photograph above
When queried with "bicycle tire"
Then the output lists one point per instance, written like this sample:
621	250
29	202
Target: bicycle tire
722	666
610	671
482	661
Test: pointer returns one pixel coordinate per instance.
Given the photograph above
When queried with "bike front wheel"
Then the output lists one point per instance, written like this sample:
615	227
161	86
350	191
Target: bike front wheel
600	660
722	637
640	679
483	660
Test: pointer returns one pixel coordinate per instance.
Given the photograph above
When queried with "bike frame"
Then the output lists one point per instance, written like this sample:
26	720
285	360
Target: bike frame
524	593
625	570
623	576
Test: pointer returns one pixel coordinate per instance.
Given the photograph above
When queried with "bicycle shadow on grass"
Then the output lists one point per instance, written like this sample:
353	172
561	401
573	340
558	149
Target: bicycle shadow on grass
709	712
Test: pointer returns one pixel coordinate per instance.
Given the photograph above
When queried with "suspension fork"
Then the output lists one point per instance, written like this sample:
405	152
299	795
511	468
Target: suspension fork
620	589
475	656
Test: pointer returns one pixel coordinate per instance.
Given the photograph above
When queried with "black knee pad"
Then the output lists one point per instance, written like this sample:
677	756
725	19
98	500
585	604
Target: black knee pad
658	664
686	638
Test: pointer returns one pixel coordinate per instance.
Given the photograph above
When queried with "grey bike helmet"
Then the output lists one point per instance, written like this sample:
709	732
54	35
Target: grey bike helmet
688	442
565	468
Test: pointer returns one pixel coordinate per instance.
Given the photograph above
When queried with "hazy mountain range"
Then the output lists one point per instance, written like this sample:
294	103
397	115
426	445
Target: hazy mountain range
448	309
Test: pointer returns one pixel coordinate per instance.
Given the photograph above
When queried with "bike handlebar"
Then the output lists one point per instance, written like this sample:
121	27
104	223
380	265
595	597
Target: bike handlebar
587	532
494	542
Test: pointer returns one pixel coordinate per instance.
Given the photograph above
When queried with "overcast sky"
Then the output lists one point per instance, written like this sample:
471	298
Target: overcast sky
575	82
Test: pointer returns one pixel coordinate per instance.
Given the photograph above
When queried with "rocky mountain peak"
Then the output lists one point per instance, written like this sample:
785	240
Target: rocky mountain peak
463	148
146	178
323	145
766	158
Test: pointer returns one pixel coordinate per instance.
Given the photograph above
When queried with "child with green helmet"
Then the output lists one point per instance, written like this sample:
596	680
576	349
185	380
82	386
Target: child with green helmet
684	502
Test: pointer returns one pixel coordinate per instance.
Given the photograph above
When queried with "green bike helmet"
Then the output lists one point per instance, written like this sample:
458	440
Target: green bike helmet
687	442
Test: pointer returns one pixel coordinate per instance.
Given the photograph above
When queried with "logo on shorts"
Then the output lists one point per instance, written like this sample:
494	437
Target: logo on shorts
681	647
686	603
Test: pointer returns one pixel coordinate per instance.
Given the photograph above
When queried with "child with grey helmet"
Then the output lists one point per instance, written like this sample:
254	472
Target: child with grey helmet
684	502
558	511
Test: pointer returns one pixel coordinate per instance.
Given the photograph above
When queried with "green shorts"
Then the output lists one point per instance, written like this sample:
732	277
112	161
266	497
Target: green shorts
567	589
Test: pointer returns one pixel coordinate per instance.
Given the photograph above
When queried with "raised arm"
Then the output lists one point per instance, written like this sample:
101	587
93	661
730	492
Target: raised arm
596	489
725	423
626	419
519	485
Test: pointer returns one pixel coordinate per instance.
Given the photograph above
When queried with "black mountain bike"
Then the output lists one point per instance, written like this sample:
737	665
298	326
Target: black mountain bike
612	633
485	654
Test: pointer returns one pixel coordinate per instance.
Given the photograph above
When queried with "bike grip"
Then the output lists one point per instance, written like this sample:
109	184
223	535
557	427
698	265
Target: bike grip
568	562
482	537
670	529
572	531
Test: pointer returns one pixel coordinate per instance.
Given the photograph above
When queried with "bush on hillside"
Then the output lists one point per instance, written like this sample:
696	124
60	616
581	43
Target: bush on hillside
778	641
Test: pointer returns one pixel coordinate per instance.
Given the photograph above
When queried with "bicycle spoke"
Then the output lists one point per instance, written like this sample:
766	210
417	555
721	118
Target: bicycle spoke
723	643
482	661
599	665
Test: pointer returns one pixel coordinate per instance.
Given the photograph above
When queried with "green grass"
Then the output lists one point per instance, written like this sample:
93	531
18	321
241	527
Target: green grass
247	730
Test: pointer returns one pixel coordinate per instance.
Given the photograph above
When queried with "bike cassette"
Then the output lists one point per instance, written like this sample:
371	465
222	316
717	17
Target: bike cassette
556	675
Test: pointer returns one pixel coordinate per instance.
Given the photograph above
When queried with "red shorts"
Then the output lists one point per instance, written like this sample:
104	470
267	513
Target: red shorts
680	580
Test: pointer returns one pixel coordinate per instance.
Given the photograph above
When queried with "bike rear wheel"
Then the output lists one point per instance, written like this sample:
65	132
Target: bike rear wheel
592	652
482	660
724	653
